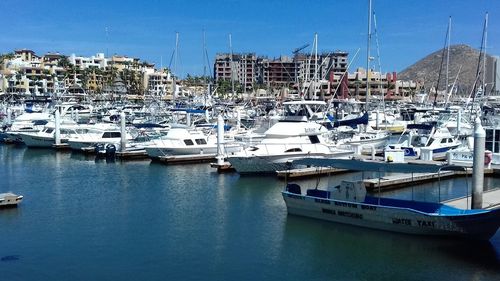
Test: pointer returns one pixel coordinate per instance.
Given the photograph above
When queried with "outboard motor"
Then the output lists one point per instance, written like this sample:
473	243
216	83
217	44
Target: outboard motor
110	150
98	148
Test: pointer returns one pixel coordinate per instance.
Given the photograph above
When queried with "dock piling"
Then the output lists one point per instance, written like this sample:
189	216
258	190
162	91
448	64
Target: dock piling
123	132
478	165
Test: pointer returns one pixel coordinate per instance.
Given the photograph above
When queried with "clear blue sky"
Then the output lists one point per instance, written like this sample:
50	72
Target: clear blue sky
408	30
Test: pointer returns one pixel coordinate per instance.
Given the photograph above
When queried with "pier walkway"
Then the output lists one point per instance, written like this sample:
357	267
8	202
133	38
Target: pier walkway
491	200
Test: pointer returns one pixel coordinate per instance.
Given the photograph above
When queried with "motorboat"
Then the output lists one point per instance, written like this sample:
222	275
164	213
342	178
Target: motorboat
295	136
187	141
98	134
418	136
349	203
10	199
47	136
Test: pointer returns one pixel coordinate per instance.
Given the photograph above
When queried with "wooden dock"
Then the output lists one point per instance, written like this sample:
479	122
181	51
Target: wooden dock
132	155
491	200
309	172
400	180
187	159
61	146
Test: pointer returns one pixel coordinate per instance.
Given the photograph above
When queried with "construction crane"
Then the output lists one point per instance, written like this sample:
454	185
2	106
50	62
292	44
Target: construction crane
295	51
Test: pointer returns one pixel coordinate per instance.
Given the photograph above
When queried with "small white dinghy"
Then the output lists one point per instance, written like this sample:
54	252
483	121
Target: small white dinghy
10	199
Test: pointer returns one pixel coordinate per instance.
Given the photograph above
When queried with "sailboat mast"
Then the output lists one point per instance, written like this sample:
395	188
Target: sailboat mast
367	99
315	65
448	56
231	62
484	50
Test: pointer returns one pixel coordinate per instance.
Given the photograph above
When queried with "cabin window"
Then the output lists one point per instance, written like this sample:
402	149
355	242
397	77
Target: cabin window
296	149
314	139
200	141
253	148
49	130
108	135
444	140
188	142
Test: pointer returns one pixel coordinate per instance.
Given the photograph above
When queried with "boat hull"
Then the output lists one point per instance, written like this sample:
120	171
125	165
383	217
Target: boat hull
481	225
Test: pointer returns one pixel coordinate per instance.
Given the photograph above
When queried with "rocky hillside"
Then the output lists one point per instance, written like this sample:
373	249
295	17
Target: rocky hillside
426	70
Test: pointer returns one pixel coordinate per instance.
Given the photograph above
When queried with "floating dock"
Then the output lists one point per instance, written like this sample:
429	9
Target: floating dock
187	159
491	200
400	180
61	146
132	155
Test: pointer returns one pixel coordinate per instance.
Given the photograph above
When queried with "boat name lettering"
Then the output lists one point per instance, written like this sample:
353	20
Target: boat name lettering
324	201
425	223
350	215
365	207
401	221
345	204
328	211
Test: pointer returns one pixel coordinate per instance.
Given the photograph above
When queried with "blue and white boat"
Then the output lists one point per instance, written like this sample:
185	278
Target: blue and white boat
350	204
417	136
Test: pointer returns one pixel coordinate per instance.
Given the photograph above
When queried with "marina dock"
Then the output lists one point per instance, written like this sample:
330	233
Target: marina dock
187	159
400	180
491	200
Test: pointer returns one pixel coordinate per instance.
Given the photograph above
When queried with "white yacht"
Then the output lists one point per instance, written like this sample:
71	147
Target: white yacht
184	141
27	122
294	137
46	136
96	134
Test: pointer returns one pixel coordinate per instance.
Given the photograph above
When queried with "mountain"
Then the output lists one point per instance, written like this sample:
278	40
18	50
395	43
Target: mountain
426	70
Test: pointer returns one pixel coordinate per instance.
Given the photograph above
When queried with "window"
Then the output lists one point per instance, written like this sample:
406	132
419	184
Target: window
108	135
314	139
49	130
296	149
200	141
444	140
188	142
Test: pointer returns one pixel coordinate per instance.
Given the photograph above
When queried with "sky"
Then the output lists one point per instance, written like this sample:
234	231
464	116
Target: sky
406	30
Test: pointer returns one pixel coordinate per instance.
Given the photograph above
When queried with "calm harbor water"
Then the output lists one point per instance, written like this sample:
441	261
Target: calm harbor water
87	219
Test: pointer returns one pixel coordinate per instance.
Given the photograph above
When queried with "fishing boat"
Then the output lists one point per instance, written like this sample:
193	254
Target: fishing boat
296	136
349	203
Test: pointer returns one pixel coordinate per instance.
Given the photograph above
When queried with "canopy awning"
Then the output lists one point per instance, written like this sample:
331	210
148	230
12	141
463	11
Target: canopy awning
372	166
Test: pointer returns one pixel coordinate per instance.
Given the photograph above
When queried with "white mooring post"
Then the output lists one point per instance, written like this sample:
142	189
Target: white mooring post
123	132
57	121
220	140
478	165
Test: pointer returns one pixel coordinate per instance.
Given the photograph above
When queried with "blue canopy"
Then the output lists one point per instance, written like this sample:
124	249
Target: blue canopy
372	166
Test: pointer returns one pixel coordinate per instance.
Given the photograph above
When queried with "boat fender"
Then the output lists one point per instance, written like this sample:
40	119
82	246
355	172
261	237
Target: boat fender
487	157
